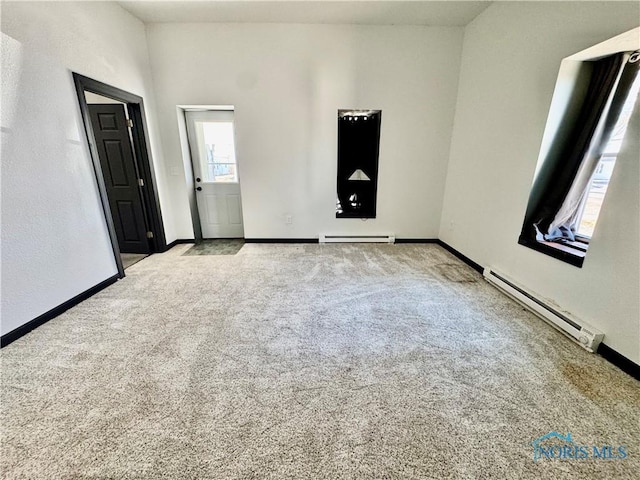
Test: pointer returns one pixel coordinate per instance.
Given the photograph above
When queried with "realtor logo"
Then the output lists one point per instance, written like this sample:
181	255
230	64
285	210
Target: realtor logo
555	446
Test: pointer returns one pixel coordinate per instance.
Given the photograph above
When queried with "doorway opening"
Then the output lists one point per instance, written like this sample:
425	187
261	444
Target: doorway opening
116	130
213	174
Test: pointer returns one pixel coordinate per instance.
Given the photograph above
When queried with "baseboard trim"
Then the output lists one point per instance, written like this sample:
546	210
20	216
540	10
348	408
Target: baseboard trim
280	240
623	363
462	257
606	352
315	240
299	240
417	240
22	330
179	241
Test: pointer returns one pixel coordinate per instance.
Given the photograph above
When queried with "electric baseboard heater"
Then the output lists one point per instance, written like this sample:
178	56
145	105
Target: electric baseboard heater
586	336
327	238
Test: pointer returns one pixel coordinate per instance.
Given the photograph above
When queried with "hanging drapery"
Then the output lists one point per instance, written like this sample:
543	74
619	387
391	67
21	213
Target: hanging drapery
580	153
563	224
562	194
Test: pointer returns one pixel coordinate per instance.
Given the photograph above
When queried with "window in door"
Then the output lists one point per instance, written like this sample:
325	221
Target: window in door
215	141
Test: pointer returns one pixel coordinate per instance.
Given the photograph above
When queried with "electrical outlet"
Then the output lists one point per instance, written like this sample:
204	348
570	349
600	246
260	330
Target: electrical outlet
288	219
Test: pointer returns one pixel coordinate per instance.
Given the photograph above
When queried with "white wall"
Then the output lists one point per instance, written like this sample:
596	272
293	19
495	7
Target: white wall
287	83
55	243
512	53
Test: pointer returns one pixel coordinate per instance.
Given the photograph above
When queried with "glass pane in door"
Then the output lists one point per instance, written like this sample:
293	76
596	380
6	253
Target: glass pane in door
218	158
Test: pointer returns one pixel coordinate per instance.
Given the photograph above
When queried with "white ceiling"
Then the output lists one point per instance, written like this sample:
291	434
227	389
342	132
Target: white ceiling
360	12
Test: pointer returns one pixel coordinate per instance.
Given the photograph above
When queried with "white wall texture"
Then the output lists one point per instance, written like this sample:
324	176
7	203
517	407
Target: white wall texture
287	83
511	56
55	243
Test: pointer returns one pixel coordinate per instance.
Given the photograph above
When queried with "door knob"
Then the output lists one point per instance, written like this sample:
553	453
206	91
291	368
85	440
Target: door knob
198	188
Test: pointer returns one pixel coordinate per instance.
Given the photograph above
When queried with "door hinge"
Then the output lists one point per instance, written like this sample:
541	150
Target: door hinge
129	123
140	182
149	234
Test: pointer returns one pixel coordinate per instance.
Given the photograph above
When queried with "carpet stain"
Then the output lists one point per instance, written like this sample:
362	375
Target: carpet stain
456	273
583	380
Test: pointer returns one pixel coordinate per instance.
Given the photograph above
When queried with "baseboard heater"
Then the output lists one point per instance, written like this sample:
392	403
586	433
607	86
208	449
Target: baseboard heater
326	238
586	336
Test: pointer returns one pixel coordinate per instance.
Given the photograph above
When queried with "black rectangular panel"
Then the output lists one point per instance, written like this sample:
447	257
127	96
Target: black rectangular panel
128	221
115	162
107	121
358	150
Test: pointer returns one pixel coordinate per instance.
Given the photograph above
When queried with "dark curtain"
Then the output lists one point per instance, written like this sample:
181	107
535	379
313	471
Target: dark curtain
565	222
588	136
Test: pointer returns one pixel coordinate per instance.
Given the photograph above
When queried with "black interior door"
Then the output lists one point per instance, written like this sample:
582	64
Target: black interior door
111	132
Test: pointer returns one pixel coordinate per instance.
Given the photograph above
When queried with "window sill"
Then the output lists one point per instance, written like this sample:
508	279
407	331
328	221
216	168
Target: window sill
572	253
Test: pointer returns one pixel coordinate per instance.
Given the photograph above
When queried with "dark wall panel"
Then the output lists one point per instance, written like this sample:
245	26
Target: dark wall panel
358	149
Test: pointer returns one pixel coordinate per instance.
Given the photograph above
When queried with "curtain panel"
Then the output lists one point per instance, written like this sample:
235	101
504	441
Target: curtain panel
553	216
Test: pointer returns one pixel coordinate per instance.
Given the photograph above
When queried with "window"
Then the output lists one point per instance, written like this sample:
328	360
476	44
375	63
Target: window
215	141
221	155
570	186
599	183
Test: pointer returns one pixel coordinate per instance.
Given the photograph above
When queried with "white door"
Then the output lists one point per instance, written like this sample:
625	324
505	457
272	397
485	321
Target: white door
215	170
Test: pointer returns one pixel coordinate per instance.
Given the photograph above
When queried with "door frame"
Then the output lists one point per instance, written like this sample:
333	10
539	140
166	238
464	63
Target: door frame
190	178
142	156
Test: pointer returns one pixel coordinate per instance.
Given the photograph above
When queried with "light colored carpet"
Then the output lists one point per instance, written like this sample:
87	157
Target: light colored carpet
307	362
